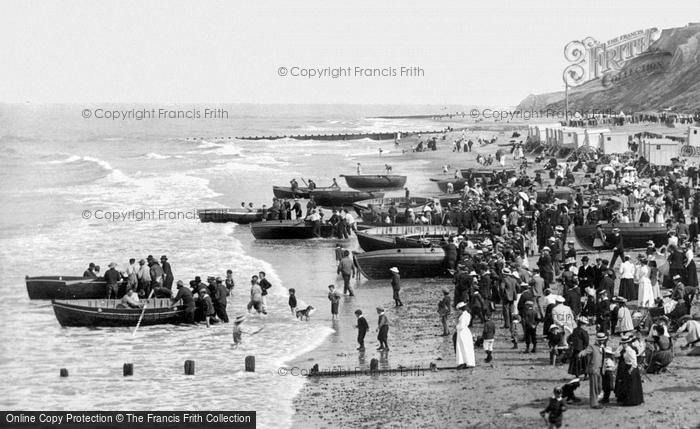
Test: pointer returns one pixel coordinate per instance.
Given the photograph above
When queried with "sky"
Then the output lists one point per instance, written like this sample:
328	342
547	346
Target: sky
486	52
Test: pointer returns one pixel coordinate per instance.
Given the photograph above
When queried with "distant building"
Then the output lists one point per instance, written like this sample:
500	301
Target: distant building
615	142
659	151
693	138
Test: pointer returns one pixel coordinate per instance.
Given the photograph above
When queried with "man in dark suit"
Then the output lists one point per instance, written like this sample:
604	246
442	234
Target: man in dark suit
572	298
168	271
508	292
615	241
586	275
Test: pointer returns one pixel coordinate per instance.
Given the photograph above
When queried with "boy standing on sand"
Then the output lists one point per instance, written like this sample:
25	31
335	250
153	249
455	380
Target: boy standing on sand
396	285
444	311
383	330
334	298
488	335
362	328
555	408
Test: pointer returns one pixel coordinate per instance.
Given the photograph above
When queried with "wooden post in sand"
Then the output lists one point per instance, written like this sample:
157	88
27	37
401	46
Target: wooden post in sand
128	369
374	364
64	372
250	363
189	367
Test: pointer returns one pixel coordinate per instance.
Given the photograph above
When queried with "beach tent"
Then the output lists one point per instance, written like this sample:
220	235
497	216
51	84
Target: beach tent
616	142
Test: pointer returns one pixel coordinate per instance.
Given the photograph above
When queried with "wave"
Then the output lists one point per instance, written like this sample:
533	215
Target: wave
153	155
68	160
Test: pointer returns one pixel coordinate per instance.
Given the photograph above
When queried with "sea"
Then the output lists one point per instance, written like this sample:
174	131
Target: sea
76	188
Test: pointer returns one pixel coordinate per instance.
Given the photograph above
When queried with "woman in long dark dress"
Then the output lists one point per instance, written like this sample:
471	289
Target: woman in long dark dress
578	342
628	385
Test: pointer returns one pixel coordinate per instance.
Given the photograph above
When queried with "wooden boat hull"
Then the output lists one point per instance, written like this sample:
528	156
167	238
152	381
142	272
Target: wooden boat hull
93	313
446	199
457	184
65	287
342	198
560	192
375	181
286	192
239	216
301	192
412	263
287	230
386	202
634	235
370	243
487	172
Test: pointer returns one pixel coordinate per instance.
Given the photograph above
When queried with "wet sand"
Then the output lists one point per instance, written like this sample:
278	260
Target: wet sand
508	392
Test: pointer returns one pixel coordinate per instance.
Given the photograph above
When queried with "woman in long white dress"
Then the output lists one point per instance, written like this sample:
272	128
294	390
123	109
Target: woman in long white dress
645	293
464	347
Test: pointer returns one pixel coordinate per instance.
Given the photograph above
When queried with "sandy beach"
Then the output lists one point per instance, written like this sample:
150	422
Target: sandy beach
508	392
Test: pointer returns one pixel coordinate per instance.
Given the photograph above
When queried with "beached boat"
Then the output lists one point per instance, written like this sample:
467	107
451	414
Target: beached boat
429	240
386	202
237	215
65	287
412	263
287	230
446	199
337	198
479	173
457	184
110	312
560	192
301	192
375	181
384	237
634	235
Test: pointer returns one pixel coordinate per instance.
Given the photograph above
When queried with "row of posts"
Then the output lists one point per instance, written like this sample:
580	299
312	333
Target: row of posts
128	369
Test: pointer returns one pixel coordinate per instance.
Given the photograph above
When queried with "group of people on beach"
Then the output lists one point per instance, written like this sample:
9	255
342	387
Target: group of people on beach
610	320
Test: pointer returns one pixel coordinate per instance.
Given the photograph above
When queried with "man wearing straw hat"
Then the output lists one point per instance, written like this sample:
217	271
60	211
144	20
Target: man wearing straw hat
594	369
112	278
396	286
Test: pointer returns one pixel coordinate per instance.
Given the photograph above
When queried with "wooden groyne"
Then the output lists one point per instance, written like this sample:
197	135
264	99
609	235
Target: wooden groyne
340	137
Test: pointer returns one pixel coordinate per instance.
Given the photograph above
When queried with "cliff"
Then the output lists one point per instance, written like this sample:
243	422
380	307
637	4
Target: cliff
667	76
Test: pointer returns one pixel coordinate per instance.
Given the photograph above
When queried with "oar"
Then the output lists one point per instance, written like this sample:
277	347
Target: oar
143	311
302	179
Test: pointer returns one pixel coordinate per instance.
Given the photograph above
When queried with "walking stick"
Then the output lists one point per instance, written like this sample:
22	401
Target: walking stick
142	313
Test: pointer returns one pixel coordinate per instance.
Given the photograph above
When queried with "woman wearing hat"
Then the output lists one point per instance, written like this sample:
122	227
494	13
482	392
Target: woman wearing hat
464	345
645	293
662	354
578	342
628	383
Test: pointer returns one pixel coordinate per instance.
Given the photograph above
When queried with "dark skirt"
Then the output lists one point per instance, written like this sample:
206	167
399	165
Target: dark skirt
660	359
577	364
627	289
691	277
628	388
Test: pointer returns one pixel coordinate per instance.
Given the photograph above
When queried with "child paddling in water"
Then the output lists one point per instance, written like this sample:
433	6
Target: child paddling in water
238	331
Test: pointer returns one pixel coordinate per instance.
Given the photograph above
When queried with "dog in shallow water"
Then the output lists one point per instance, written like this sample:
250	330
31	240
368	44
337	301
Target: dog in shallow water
305	313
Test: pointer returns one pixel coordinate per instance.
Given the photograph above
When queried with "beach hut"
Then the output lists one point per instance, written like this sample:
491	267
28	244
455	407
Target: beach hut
538	132
693	138
659	151
568	137
617	142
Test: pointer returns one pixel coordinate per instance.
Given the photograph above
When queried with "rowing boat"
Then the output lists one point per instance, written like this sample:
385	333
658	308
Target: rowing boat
383	238
375	181
457	184
301	192
412	263
634	234
110	312
237	215
288	230
337	198
65	287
